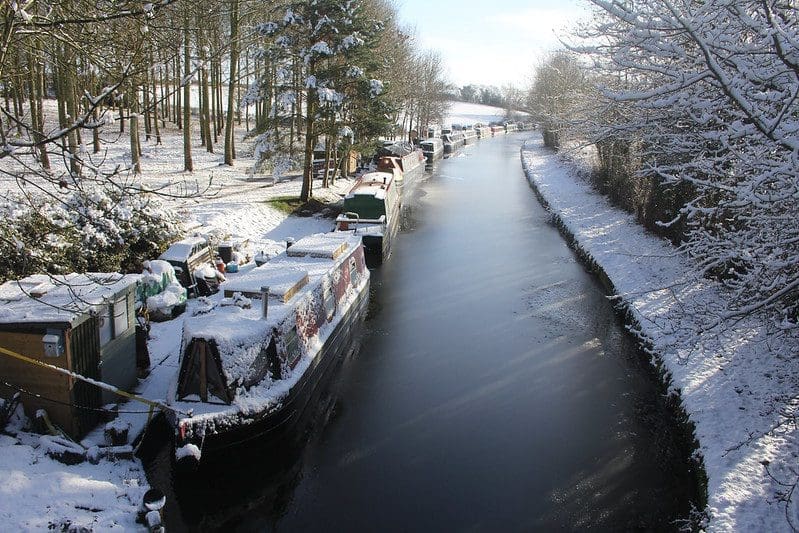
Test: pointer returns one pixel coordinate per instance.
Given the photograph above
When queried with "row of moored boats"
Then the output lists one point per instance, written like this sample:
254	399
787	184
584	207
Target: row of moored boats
250	365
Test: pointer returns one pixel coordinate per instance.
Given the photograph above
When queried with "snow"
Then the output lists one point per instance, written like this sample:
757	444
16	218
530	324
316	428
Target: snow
188	450
468	113
734	381
63	298
180	251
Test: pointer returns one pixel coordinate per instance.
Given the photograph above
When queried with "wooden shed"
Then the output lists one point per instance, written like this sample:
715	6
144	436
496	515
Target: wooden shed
84	323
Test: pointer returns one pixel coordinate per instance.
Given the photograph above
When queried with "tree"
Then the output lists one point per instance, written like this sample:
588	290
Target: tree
710	91
316	43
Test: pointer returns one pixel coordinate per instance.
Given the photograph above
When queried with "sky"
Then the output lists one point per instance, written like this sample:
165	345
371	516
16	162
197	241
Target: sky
490	42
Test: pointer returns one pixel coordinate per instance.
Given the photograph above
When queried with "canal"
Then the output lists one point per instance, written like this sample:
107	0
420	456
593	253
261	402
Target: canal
494	390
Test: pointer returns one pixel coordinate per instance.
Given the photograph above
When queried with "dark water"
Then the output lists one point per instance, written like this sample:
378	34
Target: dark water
494	390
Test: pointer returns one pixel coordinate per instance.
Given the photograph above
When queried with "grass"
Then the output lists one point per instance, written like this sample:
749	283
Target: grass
293	206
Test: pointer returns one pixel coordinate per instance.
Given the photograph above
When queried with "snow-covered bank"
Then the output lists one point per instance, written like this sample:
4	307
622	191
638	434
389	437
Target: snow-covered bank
736	382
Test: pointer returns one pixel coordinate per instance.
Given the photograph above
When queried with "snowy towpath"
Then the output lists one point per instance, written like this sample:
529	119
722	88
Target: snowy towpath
737	383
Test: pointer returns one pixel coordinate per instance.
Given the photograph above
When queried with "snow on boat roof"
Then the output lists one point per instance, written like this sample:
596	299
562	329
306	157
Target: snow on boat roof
371	184
240	333
42	298
181	250
283	281
322	245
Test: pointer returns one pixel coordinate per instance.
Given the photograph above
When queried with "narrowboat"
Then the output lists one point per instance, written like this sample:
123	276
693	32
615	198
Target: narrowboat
497	130
372	211
433	149
483	132
510	127
452	141
405	156
469	135
250	365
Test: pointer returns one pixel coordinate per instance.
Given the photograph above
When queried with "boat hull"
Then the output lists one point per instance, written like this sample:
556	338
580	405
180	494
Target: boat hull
268	428
377	247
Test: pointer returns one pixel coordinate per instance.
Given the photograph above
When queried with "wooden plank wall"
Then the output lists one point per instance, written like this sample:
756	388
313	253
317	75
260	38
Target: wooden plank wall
50	385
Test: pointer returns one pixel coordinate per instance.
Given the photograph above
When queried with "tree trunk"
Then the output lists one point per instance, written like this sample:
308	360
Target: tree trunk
134	144
230	149
188	164
307	175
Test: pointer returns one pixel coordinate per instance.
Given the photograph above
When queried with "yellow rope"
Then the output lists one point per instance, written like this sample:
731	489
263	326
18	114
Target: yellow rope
105	386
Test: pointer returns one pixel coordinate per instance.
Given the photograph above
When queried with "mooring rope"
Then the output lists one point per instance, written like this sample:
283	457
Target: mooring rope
153	404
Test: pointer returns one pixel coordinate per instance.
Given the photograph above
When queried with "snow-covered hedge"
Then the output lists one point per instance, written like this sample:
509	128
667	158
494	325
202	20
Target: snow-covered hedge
99	230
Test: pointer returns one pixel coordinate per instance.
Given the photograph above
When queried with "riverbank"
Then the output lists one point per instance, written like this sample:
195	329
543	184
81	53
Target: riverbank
736	381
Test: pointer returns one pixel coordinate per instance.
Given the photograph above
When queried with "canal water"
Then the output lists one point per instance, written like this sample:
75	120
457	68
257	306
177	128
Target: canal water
494	390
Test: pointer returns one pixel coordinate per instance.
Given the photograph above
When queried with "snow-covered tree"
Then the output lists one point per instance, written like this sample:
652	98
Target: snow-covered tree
323	45
709	92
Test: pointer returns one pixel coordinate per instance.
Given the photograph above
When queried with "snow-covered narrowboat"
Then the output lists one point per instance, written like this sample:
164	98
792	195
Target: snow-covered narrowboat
469	135
372	211
251	364
452	141
433	149
405	156
483	132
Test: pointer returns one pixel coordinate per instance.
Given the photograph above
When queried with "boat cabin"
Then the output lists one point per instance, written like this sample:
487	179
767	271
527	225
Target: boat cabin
432	148
186	256
84	323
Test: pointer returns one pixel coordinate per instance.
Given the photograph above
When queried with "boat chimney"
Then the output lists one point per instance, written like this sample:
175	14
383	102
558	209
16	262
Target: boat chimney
264	302
384	180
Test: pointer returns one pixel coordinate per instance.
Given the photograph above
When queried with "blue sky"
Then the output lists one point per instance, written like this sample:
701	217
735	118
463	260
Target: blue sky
492	42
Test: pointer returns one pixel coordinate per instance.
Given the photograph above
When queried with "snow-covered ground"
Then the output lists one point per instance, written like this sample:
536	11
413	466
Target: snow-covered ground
736	381
467	113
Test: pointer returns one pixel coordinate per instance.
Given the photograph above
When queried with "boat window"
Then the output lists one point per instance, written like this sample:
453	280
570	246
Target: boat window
292	347
266	362
329	300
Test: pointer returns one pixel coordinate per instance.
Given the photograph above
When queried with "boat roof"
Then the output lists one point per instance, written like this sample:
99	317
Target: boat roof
181	250
65	299
396	148
371	184
431	142
239	333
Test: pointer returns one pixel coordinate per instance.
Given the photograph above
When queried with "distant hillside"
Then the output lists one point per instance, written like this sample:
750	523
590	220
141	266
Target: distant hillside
466	113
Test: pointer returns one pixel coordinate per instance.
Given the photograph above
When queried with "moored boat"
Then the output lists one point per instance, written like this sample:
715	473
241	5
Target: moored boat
483	132
452	141
372	211
433	149
249	366
408	158
469	135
